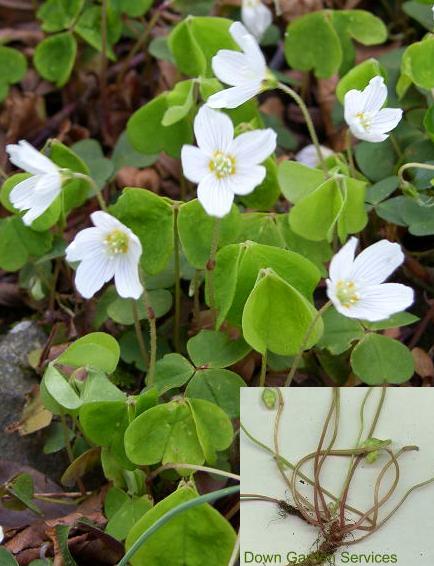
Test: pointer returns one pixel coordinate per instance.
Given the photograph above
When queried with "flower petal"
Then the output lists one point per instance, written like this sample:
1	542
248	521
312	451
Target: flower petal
372	137
377	262
342	263
92	274
257	19
127	279
252	148
45	192
353	104
106	221
379	302
246	179
214	130
87	244
21	195
215	196
386	120
26	157
195	163
234	96
309	156
374	95
230	67
255	58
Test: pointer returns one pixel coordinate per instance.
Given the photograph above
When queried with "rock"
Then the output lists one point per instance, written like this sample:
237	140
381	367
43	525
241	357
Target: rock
16	380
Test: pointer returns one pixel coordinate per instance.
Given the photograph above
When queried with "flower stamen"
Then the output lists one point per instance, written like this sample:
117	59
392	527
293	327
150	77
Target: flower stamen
117	242
364	120
222	165
346	292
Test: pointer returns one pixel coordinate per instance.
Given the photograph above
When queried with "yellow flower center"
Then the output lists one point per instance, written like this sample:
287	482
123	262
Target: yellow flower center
364	119
117	242
222	165
252	3
346	292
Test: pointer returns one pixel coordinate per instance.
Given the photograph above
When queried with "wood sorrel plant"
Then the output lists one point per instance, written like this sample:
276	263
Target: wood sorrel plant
239	266
339	524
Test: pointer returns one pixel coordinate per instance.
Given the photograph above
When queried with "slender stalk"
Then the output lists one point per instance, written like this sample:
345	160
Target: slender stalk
349	150
235	553
177	324
195	468
305	342
309	123
152	333
207	498
69	451
210	266
413	165
97	190
263	373
139	334
395	145
196	297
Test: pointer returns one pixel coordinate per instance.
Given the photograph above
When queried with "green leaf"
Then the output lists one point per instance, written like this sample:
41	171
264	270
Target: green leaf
379	359
213	427
21	487
265	195
315	216
124	155
195	537
57	15
312	44
172	371
59	389
18	243
56	438
339	332
150	217
420	12
276	317
133	8
97	350
363	26
165	433
237	269
382	189
416	63
180	102
195	40
86	462
100	168
6	557
395	321
376	160
89	28
358	77
219	386
297	180
55	57
114	500
213	349
196	229
147	134
127	516
121	310
13	65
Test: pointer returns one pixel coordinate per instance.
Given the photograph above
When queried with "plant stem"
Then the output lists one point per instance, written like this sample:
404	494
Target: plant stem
97	190
152	332
306	338
139	334
207	498
177	324
309	123
194	468
263	373
69	451
210	266
349	150
235	552
196	298
412	165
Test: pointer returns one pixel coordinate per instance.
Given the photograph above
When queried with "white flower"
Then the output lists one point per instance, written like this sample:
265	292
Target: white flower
246	72
365	115
106	251
256	17
356	286
2	534
38	192
224	166
309	155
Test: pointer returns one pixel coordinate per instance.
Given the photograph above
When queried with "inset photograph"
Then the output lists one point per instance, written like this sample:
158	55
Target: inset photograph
337	476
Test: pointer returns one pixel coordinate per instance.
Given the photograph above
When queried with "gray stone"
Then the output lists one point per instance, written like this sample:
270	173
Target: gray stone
16	379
